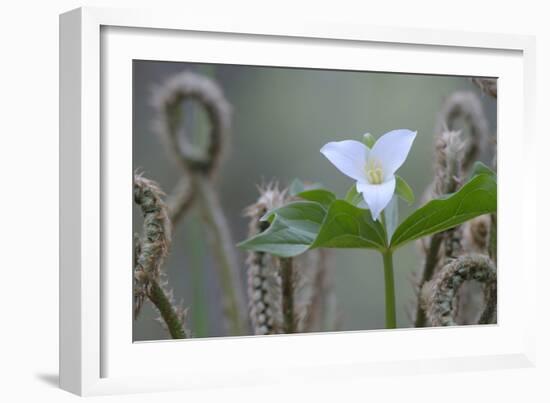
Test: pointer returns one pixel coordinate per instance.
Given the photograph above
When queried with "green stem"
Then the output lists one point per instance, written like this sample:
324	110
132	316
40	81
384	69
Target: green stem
390	289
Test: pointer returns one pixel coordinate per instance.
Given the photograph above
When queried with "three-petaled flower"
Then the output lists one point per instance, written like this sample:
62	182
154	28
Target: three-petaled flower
373	169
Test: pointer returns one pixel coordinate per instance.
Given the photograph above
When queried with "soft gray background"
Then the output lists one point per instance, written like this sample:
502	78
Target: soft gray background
281	119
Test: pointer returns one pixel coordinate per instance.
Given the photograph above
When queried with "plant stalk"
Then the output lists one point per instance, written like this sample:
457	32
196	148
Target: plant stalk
162	302
493	238
200	303
432	258
391	322
287	280
222	243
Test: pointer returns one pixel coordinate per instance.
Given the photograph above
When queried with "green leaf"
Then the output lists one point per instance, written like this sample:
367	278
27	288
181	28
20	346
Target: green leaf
280	240
300	226
353	197
303	215
322	196
293	229
297	186
346	226
403	190
480	168
475	198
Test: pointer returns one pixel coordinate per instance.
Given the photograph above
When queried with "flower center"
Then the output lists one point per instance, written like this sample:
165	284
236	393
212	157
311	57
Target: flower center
375	174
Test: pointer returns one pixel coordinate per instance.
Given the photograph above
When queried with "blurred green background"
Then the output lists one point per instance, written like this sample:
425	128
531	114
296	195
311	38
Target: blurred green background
281	118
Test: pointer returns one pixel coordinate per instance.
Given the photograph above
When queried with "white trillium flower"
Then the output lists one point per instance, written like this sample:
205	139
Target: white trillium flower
373	169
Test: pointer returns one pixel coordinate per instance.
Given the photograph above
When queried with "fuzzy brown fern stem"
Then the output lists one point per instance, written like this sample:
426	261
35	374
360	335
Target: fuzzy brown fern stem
264	288
317	308
439	295
263	269
222	245
487	85
447	173
493	238
180	200
156	238
477	234
287	290
462	132
463	111
317	305
449	152
150	254
199	167
430	262
286	295
170	315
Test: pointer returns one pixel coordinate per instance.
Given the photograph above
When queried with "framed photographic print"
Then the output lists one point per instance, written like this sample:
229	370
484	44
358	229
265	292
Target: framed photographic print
314	196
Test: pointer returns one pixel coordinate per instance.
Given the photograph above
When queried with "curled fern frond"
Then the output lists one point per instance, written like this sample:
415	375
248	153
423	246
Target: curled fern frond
199	166
168	100
157	228
487	85
150	251
439	295
180	200
463	110
449	152
476	234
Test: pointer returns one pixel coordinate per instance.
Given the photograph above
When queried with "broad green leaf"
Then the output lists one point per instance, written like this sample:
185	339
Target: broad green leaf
346	226
300	226
322	196
293	229
280	240
353	197
297	186
403	190
480	168
303	215
475	198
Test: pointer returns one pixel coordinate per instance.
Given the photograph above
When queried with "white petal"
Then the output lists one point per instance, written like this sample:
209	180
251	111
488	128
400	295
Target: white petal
391	150
377	197
349	156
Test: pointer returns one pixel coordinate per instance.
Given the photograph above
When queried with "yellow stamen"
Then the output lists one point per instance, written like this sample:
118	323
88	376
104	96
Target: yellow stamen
375	174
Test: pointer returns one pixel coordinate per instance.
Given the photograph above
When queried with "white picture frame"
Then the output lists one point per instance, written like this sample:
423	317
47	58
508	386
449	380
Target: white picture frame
96	355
